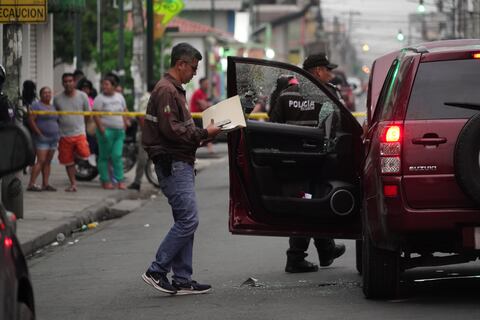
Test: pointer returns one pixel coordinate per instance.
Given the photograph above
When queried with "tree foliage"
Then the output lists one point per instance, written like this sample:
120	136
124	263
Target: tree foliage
64	38
64	30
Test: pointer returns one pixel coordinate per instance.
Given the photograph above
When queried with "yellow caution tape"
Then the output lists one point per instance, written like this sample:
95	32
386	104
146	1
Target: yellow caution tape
89	113
195	115
359	114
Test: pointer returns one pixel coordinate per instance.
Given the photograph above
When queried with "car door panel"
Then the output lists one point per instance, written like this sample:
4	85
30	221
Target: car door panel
283	177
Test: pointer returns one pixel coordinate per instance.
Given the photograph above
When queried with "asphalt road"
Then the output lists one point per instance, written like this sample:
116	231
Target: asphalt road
99	276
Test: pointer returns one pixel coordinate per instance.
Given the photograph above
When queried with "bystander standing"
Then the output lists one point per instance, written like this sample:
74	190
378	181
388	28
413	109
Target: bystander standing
110	133
73	142
45	133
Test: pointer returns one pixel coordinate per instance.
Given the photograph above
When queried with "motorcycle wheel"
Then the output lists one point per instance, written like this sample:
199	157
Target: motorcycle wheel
150	173
129	156
85	172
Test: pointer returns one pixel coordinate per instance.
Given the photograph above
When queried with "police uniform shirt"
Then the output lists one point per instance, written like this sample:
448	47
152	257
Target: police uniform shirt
293	108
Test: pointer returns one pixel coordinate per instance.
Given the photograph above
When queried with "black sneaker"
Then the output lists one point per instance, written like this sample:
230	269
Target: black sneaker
192	287
336	252
300	266
134	186
159	281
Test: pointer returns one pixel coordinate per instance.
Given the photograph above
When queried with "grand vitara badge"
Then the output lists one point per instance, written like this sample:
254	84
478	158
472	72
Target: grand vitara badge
422	168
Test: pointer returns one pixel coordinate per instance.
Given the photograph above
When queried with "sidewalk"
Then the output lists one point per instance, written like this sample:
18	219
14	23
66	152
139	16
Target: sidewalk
47	214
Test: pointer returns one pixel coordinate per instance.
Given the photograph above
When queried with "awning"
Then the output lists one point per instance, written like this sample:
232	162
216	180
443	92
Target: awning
66	5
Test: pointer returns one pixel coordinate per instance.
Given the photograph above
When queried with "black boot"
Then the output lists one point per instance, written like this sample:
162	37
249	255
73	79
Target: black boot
300	266
327	258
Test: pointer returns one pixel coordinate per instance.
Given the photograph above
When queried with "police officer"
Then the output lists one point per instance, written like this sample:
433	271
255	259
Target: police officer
12	193
292	108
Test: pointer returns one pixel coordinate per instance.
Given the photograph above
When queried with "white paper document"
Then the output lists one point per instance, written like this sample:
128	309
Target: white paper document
227	114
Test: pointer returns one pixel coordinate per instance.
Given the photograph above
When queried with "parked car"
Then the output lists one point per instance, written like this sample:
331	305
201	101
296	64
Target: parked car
16	294
407	189
346	91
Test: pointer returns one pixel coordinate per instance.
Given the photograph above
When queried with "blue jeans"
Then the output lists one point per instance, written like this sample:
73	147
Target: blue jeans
175	251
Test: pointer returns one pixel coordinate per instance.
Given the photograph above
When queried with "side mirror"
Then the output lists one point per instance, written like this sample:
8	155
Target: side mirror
17	150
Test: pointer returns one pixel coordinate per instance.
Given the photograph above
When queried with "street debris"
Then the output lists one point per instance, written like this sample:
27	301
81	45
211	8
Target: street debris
60	237
86	227
146	225
252	282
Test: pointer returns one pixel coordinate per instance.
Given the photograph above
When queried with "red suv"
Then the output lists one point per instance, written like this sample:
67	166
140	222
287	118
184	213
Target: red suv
408	189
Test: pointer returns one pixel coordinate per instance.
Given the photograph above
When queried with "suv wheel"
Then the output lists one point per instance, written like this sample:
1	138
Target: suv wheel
466	158
381	271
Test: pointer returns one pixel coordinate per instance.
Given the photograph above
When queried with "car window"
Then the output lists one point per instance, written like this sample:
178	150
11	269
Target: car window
257	84
392	91
444	81
386	90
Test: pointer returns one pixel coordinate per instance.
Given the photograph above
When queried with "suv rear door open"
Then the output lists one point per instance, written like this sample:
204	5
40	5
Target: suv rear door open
287	179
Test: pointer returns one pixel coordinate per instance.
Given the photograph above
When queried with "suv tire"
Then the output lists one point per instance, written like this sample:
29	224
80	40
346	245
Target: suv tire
466	159
381	271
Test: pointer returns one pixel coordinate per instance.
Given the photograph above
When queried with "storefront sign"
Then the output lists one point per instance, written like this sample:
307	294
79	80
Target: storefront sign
168	9
23	11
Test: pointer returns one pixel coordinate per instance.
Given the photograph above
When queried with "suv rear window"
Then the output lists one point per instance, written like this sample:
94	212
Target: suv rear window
439	82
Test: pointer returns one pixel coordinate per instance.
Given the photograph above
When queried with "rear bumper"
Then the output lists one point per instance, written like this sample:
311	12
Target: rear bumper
398	225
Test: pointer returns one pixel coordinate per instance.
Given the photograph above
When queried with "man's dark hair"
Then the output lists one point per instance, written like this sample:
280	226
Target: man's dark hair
184	51
78	72
66	75
200	82
29	92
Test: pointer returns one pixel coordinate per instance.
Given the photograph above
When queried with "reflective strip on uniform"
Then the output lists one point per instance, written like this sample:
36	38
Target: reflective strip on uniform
188	122
149	117
291	93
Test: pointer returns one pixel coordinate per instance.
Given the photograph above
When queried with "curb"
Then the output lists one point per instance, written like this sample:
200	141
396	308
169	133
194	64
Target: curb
97	212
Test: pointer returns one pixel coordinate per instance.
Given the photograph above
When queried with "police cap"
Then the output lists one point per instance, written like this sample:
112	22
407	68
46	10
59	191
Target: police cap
318	60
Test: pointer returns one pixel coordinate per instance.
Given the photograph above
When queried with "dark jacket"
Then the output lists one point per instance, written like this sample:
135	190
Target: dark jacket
292	108
169	129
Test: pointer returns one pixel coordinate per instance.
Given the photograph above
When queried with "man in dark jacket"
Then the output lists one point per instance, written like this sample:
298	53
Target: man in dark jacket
171	139
292	108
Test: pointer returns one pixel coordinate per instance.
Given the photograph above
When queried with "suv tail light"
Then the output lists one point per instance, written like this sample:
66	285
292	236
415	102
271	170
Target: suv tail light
390	149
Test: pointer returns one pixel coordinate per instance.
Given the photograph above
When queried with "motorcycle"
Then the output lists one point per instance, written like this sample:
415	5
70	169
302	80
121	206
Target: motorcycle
150	173
87	169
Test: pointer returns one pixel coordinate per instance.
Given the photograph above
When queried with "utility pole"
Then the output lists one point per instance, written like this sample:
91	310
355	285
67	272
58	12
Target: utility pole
350	21
454	19
78	41
212	13
121	43
150	51
100	36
